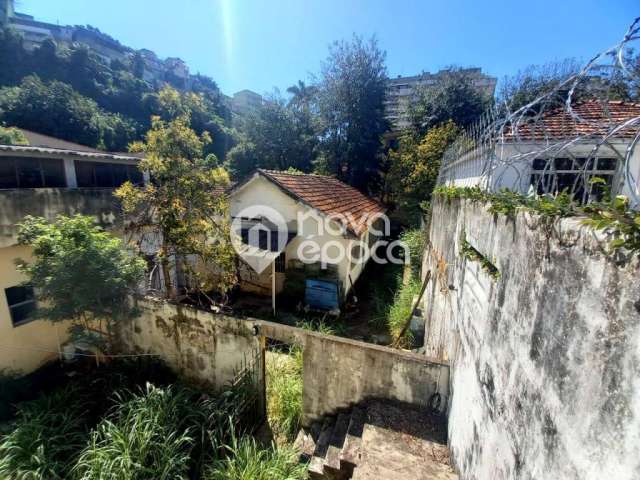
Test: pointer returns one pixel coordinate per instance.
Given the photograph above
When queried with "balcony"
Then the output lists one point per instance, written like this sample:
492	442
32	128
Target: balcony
15	204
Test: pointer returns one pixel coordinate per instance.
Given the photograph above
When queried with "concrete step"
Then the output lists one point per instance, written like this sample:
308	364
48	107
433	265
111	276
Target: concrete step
316	465
351	448
332	463
306	440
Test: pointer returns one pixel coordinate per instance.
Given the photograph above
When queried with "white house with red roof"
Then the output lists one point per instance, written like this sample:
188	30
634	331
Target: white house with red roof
559	149
307	228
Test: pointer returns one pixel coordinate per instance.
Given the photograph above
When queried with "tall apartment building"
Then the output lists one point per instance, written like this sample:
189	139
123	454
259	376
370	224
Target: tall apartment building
401	91
35	32
245	101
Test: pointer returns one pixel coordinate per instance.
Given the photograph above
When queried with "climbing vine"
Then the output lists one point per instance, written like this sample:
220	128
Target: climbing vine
612	215
467	251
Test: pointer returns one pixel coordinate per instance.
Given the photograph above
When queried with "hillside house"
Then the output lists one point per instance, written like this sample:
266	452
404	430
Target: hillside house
328	228
46	178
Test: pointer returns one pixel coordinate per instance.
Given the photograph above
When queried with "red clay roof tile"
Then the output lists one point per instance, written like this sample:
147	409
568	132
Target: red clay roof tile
330	196
590	118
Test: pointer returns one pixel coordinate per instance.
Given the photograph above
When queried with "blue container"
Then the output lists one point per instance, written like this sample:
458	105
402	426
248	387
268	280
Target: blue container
321	294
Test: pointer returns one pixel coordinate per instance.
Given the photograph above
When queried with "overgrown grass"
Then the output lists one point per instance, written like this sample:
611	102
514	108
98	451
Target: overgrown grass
246	460
337	327
105	425
401	310
149	434
45	437
284	393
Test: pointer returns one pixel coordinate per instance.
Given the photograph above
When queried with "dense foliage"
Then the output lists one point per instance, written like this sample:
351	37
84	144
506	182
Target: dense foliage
56	109
184	200
69	92
131	420
550	79
351	95
284	393
246	460
278	137
12	136
414	168
453	98
73	255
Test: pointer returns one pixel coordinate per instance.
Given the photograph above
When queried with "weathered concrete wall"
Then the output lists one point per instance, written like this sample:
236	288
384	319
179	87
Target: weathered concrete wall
202	347
207	348
15	204
545	359
340	372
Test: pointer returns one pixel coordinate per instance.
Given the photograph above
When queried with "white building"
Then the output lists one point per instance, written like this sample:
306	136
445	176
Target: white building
554	152
329	227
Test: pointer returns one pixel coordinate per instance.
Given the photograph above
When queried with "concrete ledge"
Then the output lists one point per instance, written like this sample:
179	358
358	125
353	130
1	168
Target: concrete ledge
15	204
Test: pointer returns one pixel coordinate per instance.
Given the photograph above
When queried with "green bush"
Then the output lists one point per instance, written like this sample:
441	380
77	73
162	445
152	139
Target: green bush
416	241
45	437
148	435
284	393
246	460
401	309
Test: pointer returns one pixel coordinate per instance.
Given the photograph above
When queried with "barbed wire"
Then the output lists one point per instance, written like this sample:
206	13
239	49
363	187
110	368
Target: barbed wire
587	126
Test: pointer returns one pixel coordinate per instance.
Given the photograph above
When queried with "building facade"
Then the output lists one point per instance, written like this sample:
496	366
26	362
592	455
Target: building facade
46	178
245	101
328	236
401	91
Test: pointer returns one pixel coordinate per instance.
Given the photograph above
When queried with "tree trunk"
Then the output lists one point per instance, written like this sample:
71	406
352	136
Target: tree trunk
166	274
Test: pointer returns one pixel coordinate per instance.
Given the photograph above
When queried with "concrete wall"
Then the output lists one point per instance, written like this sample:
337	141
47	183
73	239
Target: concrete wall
339	373
202	347
15	204
545	359
26	347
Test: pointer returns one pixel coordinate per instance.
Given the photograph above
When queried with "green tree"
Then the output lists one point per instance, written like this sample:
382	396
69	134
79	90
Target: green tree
351	97
302	95
56	109
183	208
274	137
453	97
118	88
12	136
415	165
535	81
80	273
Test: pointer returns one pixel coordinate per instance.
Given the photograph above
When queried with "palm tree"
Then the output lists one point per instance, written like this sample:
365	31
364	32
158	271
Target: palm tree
302	94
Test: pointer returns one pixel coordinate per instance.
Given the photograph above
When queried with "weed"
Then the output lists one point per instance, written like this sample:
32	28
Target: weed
284	393
246	460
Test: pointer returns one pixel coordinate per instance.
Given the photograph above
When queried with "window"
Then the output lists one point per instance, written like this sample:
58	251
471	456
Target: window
27	172
106	175
281	263
22	303
574	176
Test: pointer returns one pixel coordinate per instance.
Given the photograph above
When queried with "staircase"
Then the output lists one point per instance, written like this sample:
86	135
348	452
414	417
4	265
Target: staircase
377	440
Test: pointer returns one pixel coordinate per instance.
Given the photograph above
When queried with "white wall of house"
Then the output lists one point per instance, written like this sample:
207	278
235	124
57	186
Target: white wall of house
260	191
510	165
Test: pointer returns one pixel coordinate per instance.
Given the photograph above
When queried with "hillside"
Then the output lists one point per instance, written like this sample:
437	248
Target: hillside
70	92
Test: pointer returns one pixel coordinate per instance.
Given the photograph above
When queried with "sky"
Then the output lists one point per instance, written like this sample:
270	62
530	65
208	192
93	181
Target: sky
262	45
